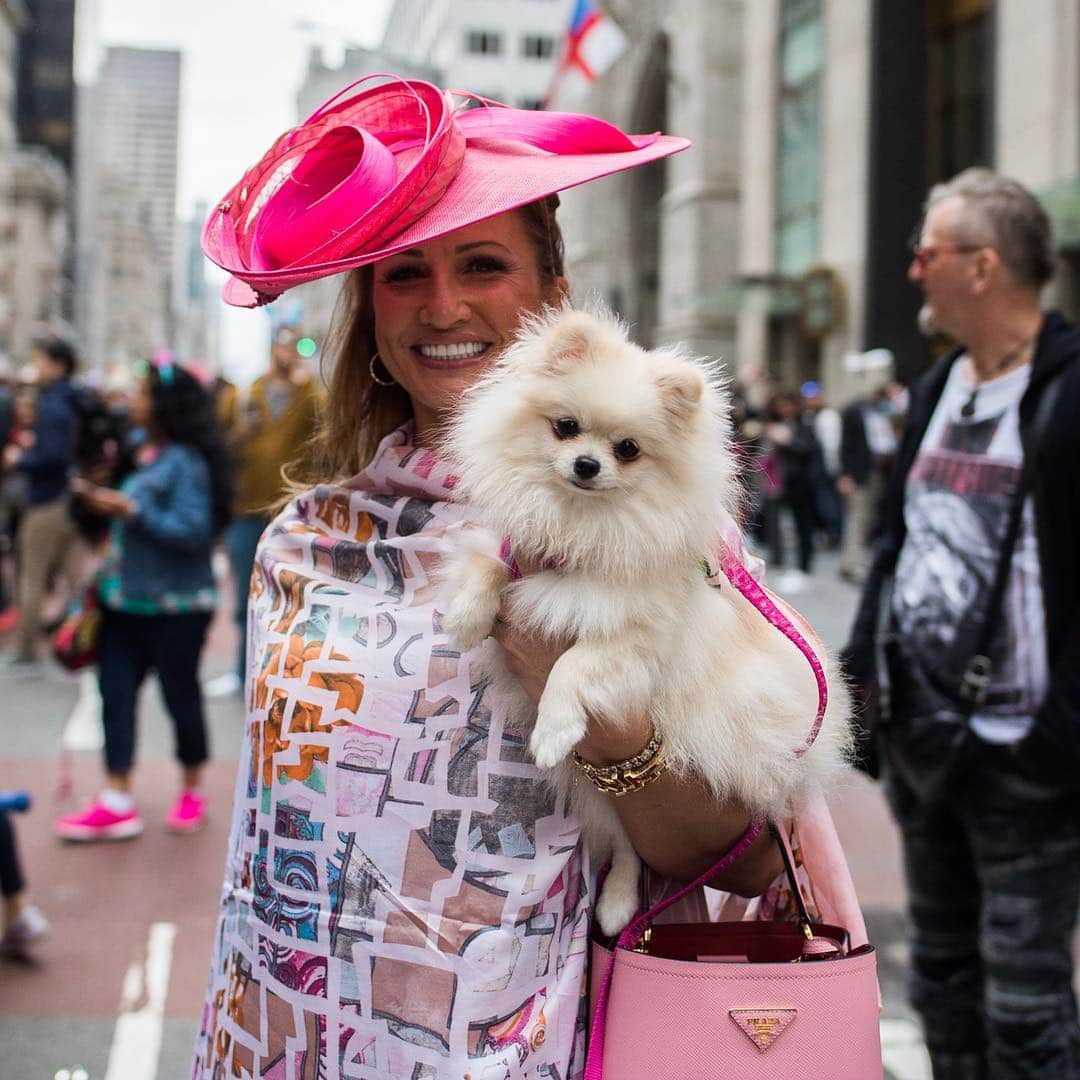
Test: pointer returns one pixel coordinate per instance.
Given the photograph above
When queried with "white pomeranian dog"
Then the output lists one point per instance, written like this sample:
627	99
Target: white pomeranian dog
610	467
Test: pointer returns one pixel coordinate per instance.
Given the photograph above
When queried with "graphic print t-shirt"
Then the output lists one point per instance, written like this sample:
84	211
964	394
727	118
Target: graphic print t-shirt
956	510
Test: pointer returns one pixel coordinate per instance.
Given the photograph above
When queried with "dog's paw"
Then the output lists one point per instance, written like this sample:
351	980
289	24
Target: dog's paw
554	736
617	905
469	621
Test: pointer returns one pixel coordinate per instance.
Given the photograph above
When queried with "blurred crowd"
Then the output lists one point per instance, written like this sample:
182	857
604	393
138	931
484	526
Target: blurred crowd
814	474
115	491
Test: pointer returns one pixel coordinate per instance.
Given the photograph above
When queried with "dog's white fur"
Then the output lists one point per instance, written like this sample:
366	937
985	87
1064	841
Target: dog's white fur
732	697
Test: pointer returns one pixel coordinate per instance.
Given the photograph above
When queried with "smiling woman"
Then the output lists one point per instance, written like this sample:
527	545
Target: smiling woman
402	894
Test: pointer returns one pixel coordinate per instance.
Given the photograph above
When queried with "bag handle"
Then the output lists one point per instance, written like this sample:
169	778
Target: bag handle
631	936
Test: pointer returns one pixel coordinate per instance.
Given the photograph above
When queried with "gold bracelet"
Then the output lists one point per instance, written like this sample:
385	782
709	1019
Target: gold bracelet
626	776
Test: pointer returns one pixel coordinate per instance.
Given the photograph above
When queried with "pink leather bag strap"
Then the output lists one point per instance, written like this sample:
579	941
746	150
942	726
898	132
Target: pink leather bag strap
737	574
631	936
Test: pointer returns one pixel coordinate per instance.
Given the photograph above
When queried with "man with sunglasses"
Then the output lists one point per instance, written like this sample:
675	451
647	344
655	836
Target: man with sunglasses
988	803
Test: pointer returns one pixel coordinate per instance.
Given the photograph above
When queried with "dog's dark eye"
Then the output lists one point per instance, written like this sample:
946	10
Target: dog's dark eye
567	427
627	450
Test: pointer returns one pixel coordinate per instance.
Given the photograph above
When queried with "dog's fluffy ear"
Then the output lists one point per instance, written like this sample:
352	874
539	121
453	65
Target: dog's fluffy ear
571	340
681	388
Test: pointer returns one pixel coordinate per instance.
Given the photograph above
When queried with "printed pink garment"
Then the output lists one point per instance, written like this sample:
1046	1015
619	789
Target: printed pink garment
402	896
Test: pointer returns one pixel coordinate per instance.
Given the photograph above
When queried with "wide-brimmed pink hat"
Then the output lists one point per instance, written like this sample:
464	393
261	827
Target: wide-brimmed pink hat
383	169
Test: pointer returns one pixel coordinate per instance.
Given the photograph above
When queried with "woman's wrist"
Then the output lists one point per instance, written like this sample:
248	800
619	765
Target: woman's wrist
606	744
629	775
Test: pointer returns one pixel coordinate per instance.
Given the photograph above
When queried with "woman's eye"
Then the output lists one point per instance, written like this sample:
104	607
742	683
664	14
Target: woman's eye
486	264
398	274
627	450
567	427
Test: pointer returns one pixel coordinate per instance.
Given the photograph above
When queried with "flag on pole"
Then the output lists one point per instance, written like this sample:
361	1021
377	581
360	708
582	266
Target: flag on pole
593	43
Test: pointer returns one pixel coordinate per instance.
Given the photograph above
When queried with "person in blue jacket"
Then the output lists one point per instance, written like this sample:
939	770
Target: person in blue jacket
157	593
47	540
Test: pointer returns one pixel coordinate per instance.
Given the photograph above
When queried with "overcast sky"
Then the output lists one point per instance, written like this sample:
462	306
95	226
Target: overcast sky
243	61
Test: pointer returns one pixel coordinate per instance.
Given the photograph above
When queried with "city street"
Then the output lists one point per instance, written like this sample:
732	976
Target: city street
118	985
239	258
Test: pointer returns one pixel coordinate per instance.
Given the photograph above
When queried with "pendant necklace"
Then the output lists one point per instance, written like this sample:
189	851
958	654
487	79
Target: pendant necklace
967	410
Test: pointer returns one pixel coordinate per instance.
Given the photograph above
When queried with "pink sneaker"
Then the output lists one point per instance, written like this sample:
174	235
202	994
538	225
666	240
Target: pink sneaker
98	822
188	813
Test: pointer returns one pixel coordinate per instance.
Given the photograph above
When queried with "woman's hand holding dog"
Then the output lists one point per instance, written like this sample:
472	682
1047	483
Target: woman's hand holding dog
530	659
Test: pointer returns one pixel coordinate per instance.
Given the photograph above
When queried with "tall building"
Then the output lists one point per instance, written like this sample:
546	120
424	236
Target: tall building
45	97
502	49
127	204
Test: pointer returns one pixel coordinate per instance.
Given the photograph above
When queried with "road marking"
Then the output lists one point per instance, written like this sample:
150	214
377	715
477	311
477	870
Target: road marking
136	1043
83	730
903	1052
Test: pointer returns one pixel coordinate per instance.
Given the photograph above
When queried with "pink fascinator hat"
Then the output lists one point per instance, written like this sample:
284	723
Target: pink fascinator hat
381	169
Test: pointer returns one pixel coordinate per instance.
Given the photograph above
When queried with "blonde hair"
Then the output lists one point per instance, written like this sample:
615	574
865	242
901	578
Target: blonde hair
359	413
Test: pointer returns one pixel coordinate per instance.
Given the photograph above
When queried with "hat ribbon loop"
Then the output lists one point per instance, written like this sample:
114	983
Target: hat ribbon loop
336	181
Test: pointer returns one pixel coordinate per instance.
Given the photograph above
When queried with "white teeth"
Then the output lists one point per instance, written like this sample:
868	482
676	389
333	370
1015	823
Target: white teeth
453	352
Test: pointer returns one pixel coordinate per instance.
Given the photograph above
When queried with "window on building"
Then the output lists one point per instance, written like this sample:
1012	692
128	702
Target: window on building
537	47
798	164
959	89
485	42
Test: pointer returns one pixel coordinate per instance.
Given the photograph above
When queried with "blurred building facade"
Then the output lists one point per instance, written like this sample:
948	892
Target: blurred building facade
39	229
197	310
43	279
661	244
501	49
781	238
45	101
127	172
12	18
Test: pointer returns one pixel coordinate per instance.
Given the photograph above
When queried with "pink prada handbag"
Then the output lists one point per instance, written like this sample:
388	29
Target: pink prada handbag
736	1000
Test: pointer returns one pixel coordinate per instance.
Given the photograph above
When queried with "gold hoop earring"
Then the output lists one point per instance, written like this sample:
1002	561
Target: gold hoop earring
375	375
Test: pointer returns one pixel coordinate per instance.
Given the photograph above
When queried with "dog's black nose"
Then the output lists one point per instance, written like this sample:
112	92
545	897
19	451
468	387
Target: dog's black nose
586	467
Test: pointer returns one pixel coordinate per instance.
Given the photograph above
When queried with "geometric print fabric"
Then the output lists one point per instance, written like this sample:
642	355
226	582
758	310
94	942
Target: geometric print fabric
402	897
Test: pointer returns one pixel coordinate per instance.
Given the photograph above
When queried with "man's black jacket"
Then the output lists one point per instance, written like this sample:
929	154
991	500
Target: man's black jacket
1053	748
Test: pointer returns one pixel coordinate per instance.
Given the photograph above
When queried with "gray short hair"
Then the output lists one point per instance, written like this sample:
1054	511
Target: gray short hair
1002	213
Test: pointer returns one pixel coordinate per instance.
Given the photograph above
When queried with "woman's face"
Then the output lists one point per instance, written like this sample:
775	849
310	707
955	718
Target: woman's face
444	311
